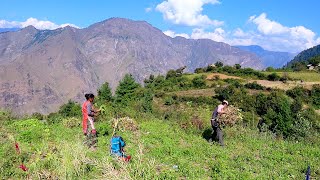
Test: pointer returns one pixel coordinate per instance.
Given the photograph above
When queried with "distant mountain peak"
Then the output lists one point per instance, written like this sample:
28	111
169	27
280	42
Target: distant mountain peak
269	58
29	29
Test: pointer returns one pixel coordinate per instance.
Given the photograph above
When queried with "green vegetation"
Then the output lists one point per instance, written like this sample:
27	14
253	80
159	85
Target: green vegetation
307	76
305	55
170	138
302	65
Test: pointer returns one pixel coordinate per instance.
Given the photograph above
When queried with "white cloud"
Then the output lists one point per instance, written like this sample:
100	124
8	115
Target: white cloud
39	24
217	35
187	12
267	26
173	34
269	34
273	35
149	9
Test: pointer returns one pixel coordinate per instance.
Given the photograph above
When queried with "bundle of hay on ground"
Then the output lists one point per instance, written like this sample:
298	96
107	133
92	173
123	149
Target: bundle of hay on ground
124	124
232	116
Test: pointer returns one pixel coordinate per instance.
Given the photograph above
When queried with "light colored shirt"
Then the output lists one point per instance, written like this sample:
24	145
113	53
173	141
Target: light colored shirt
218	110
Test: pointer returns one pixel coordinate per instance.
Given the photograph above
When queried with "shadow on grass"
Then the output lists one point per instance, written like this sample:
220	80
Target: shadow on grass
207	134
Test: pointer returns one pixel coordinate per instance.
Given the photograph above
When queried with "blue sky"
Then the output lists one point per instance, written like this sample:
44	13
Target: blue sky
280	25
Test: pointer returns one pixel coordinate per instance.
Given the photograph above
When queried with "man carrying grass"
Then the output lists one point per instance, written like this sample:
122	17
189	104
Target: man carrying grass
217	133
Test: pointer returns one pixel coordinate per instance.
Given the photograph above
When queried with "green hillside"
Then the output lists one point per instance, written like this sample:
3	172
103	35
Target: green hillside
307	54
166	127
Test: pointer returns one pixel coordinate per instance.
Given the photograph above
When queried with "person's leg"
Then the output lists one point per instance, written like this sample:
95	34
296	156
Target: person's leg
93	136
220	136
91	120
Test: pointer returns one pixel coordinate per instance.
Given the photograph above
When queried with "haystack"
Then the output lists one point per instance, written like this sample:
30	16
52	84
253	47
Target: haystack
232	116
124	124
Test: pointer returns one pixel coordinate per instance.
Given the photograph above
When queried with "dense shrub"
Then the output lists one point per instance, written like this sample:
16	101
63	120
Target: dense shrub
254	85
234	82
299	93
279	117
315	95
273	77
199	82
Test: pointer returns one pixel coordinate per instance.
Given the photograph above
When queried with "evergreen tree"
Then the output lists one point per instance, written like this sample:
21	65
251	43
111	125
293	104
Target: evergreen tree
127	90
104	93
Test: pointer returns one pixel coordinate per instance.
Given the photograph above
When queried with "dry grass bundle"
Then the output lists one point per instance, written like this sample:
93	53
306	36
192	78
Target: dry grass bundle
232	116
124	124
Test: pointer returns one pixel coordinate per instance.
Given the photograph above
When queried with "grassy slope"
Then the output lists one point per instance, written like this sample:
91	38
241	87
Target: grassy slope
307	76
156	147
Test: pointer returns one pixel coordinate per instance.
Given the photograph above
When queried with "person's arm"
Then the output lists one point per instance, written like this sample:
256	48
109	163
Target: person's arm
95	110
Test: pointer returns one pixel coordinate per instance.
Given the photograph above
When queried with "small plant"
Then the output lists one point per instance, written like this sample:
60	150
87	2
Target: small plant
71	122
168	101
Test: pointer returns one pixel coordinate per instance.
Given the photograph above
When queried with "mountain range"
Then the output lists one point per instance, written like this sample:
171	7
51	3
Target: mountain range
305	55
42	69
9	29
269	58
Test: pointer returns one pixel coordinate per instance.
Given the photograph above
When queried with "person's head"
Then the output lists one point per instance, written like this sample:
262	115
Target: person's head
89	97
225	103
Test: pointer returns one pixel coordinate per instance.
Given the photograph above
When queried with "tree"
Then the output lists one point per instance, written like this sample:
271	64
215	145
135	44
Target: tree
218	64
298	66
171	74
199	70
237	66
315	61
127	90
104	93
71	109
146	101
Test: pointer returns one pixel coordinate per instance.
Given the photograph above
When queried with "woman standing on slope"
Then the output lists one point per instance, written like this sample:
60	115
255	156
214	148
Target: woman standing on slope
88	114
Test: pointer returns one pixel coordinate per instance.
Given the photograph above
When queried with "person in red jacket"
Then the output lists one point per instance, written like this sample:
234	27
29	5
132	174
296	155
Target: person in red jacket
88	114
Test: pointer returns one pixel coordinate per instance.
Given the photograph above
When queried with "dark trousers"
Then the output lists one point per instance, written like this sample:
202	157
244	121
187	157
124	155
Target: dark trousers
217	134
